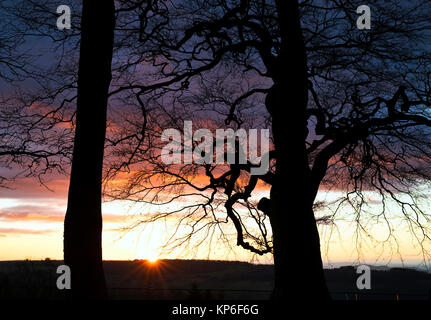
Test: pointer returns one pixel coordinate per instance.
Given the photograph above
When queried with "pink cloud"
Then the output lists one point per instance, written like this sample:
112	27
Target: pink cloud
5	231
29	188
43	213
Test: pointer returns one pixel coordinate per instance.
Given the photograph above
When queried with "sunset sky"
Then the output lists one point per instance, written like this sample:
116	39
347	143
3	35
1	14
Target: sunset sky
31	226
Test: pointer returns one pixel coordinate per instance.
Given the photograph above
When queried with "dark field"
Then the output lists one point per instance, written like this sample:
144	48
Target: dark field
200	279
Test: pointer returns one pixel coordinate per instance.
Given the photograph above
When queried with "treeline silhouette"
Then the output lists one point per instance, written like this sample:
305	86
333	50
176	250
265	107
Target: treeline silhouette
204	280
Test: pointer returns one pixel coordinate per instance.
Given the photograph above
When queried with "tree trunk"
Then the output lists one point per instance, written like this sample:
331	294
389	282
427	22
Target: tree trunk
83	222
297	258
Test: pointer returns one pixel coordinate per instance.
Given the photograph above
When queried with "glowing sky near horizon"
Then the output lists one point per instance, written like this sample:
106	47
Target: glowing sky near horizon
31	226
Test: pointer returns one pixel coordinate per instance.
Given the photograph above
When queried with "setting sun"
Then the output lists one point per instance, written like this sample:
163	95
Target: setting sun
152	259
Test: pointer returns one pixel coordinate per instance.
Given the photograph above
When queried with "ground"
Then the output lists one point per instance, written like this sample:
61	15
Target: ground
201	279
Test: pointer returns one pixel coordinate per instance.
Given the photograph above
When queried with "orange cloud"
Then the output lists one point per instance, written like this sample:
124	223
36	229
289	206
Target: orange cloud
29	213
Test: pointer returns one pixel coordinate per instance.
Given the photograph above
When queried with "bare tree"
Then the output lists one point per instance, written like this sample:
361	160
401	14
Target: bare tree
347	108
42	125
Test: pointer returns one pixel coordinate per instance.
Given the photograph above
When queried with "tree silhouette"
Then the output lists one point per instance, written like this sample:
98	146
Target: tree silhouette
83	221
42	126
348	108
